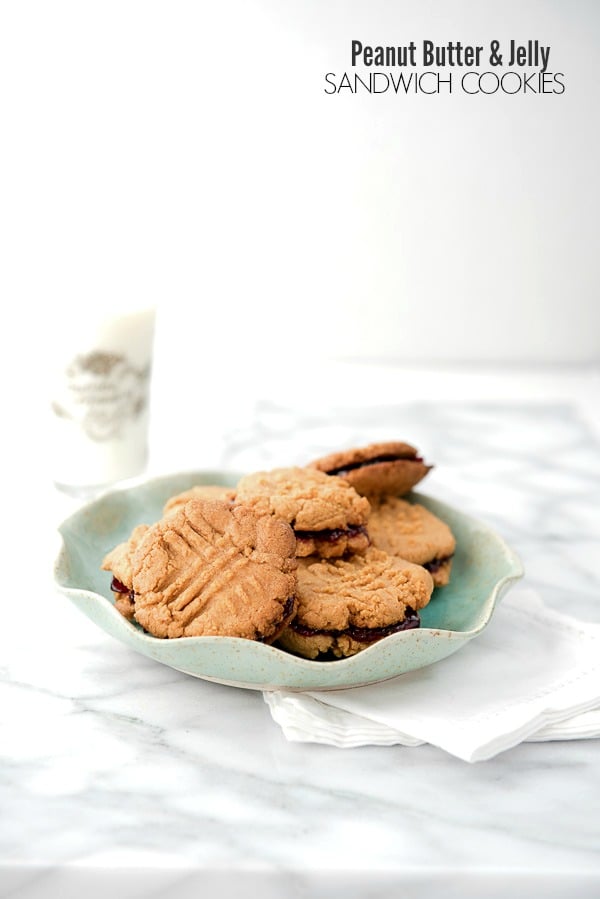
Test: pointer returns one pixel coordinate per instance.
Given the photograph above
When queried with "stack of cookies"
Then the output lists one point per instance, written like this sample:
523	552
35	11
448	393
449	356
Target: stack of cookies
322	560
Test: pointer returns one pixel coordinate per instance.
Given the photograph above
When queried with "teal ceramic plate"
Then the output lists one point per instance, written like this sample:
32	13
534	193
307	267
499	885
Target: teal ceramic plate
484	567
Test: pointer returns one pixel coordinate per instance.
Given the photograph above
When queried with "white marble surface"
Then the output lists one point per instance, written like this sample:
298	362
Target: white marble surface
120	775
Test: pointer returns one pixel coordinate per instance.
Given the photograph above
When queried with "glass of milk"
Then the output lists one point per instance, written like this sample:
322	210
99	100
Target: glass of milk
100	393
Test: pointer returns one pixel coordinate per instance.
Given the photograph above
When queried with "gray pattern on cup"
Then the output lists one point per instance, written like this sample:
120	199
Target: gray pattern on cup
104	391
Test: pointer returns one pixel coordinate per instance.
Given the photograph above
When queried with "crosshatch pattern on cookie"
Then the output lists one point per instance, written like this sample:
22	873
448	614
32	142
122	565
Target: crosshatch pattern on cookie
214	569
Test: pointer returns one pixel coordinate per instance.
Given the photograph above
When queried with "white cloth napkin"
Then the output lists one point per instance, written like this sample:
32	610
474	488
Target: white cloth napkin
533	674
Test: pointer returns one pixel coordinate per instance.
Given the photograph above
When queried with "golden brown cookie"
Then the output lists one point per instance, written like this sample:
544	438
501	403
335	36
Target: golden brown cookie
377	469
119	562
201	491
327	514
213	569
345	605
412	532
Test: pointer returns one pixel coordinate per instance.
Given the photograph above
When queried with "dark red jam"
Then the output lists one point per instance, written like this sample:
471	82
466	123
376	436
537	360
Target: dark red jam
289	606
352	466
333	535
436	564
364	634
117	587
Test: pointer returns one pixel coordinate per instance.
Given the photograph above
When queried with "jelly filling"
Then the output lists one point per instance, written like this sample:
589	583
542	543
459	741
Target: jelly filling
352	466
289	606
436	564
333	535
117	587
363	634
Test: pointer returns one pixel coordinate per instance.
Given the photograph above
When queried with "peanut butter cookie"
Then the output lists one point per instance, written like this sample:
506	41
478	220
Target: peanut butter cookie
213	569
119	562
377	469
327	514
200	491
412	532
345	605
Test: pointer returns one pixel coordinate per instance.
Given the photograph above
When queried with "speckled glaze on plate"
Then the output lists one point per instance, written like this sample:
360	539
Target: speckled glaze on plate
484	567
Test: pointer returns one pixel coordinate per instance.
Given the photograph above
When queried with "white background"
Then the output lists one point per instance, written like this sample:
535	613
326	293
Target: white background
185	154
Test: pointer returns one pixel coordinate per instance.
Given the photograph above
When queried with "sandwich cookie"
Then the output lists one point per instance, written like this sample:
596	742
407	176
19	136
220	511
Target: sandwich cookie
201	491
211	569
410	531
346	605
119	562
328	516
377	469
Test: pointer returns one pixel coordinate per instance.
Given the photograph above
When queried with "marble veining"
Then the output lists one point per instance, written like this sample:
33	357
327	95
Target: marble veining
119	774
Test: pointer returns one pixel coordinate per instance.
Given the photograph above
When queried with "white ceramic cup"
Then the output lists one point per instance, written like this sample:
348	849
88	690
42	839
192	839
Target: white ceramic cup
100	399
